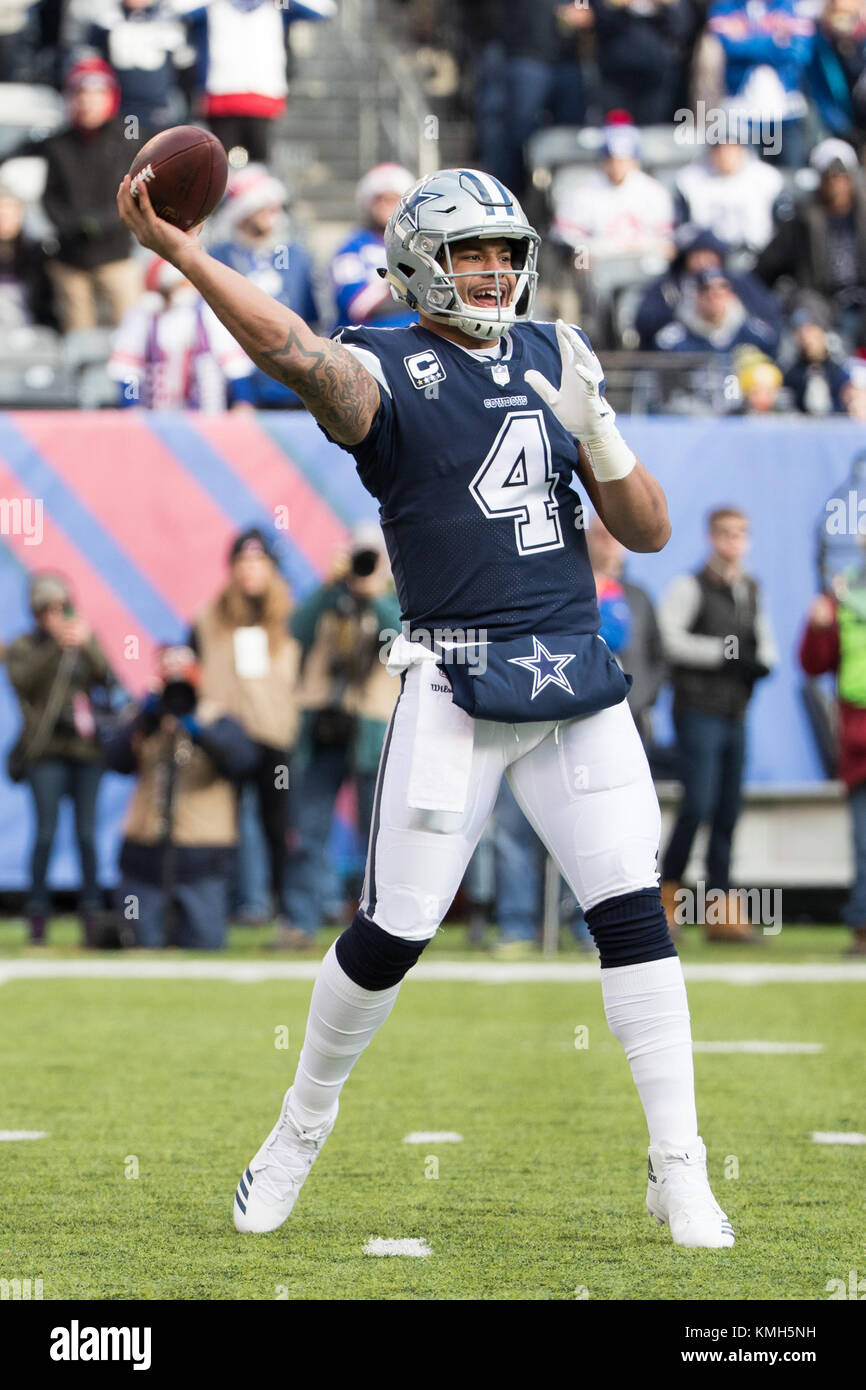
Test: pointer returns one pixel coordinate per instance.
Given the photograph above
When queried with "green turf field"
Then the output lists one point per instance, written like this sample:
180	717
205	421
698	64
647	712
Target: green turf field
180	1080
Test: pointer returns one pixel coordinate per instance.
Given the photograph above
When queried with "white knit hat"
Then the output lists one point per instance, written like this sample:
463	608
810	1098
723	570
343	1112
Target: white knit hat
249	190
832	151
382	178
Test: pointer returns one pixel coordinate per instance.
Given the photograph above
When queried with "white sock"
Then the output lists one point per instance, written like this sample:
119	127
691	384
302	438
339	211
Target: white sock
647	1010
343	1019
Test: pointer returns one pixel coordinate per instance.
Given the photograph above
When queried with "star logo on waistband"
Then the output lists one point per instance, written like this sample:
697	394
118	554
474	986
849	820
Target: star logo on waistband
546	668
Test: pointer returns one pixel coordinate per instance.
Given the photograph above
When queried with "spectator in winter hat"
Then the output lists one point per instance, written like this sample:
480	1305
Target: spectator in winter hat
91	268
818	381
821	243
257	242
360	294
760	382
616	209
711	317
699	249
733	192
172	353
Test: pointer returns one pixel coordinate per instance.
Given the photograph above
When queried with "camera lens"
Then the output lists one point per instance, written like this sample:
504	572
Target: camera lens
364	562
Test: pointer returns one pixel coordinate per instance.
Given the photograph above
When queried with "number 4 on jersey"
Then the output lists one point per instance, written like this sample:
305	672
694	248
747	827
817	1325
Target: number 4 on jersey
517	479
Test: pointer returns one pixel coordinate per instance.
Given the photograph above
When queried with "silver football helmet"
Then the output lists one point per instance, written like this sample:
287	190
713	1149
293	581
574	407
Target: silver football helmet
454	205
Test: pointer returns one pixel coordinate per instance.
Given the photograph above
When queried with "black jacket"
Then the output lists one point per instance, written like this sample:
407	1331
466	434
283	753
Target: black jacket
800	247
630	44
83	171
25	265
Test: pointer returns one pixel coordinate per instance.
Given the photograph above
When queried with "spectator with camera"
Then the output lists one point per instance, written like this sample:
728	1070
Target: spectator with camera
180	829
347	697
719	643
249	664
58	672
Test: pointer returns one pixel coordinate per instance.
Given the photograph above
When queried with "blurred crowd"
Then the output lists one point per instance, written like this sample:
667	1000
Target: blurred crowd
696	170
272	714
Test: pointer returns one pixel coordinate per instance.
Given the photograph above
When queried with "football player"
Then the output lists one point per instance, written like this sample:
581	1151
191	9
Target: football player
468	428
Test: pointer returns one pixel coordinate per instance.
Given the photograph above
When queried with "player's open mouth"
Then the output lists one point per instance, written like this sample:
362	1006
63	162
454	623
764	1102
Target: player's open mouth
486	299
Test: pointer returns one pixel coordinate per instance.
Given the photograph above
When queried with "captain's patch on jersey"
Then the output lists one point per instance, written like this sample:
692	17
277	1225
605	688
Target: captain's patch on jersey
424	368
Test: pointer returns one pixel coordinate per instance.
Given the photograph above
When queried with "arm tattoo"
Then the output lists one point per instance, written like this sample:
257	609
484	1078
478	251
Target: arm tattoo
333	384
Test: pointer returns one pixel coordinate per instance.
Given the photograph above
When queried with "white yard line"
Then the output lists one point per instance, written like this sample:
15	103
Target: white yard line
12	1136
382	1245
434	1136
454	971
830	1137
757	1047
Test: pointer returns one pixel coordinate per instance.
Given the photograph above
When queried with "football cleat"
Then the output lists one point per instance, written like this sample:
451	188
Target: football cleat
270	1184
679	1195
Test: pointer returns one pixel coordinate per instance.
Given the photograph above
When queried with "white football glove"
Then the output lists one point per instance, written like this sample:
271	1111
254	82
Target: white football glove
581	409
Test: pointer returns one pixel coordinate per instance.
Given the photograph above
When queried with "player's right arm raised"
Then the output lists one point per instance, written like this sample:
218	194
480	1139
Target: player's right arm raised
331	382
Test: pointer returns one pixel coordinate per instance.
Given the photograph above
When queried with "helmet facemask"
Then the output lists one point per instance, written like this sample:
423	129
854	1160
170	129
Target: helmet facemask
437	213
444	301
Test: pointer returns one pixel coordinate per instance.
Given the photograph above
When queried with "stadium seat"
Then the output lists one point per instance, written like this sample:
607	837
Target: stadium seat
27	113
642	383
87	351
36	386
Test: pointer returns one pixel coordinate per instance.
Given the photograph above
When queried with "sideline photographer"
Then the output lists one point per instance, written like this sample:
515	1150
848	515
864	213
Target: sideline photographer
180	829
346	696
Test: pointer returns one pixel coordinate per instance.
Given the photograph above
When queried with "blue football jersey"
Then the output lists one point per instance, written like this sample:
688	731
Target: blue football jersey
473	475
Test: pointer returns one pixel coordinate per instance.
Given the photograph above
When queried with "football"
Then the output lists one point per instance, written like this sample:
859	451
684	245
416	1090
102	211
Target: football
185	169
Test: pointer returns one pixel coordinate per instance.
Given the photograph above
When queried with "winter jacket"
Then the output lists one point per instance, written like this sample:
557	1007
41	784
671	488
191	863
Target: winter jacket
800	247
83	170
822	650
762	33
33	663
184	794
640	42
